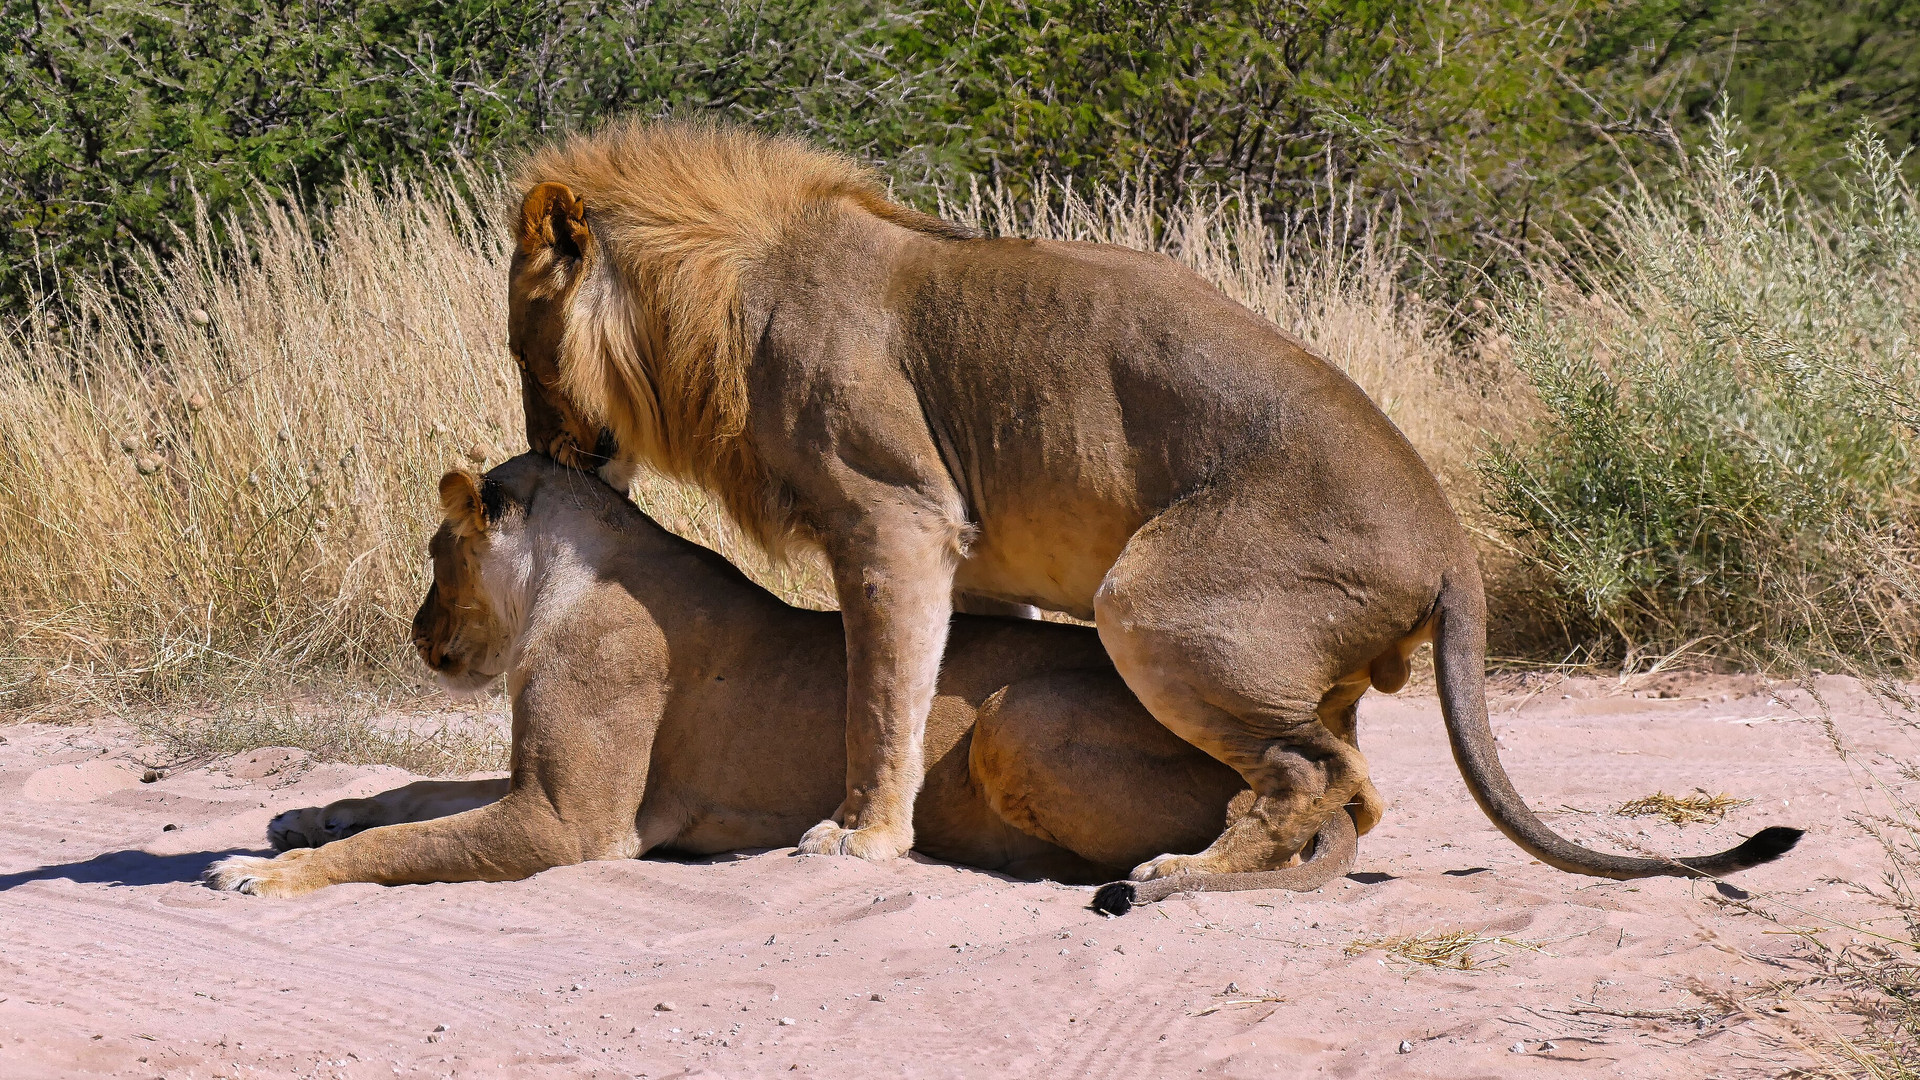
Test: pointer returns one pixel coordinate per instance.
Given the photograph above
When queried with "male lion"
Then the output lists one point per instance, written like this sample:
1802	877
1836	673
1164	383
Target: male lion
661	700
1082	427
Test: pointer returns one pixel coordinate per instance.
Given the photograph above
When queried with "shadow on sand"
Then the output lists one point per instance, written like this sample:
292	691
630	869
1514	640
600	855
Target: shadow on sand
125	868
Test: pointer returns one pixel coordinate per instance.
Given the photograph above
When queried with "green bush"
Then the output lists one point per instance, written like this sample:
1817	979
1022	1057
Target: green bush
1725	458
1480	122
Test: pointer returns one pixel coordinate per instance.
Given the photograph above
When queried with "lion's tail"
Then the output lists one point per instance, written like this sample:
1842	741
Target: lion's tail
1459	658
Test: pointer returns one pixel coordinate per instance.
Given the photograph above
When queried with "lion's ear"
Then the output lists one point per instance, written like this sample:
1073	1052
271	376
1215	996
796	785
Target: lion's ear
553	218
461	504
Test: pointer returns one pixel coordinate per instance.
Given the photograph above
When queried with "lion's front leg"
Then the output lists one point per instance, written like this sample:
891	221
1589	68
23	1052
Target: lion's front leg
895	594
312	826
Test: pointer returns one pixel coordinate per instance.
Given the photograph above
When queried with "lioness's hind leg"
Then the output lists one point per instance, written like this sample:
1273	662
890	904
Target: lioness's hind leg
312	826
1071	758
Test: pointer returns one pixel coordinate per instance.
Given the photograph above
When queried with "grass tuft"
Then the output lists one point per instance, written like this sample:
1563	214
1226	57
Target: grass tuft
1684	809
1451	949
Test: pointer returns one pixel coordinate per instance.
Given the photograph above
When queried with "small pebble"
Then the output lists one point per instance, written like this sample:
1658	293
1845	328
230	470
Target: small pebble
606	1016
786	1021
168	828
439	1027
1406	1046
1233	988
1517	1048
875	997
577	986
665	1006
199	317
1549	1045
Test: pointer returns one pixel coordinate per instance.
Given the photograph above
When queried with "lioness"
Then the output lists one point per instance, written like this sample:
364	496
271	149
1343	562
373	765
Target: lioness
661	700
1082	427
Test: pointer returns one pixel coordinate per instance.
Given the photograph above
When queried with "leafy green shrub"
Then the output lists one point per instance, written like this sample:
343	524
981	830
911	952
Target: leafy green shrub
1726	454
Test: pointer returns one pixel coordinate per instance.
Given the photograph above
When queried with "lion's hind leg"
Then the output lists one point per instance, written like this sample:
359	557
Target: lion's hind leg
1249	635
312	826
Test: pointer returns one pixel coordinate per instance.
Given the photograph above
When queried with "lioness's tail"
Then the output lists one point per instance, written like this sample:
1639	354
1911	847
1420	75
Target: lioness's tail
1459	660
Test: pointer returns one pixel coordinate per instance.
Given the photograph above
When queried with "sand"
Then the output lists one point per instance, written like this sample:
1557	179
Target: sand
113	961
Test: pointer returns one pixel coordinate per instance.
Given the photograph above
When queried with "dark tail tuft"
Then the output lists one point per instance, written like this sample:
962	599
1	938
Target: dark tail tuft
1117	898
1768	844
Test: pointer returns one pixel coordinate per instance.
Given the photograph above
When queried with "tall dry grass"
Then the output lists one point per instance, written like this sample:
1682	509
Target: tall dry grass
218	479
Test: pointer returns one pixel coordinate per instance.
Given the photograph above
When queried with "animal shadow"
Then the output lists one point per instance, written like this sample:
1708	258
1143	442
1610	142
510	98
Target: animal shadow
123	868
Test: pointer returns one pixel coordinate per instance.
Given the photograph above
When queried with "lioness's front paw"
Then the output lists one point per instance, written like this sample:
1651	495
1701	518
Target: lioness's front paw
255	876
1168	865
873	843
313	826
302	828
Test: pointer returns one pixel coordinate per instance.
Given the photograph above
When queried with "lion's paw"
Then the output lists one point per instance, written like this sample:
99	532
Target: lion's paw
874	843
258	876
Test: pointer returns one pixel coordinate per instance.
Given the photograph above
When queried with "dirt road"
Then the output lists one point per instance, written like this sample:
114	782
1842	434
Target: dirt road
113	961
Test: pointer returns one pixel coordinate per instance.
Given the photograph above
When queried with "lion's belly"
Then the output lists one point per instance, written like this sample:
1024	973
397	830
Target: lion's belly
1054	558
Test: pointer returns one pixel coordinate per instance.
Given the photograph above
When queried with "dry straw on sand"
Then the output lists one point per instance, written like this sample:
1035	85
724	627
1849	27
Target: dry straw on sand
1683	809
1448	949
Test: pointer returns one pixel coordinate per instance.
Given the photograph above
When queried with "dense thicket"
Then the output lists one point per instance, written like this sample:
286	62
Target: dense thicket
1480	121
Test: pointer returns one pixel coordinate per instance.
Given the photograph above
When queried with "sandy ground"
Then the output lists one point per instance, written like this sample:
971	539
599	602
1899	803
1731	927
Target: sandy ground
113	961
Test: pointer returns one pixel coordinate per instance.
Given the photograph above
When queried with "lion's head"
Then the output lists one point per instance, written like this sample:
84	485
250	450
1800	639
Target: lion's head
465	628
554	252
625	304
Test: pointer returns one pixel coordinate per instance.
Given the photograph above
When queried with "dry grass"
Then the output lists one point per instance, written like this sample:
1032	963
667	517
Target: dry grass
1683	809
218	480
350	734
1451	949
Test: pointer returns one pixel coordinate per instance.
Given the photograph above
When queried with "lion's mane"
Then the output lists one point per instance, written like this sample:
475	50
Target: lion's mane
656	347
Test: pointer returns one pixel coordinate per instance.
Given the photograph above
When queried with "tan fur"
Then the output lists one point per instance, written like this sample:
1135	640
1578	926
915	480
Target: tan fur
646	665
1074	426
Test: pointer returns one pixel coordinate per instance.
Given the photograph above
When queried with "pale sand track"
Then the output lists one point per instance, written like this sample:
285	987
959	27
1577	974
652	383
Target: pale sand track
113	962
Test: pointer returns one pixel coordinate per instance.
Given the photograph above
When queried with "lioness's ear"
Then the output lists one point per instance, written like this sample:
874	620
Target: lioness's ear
553	217
461	505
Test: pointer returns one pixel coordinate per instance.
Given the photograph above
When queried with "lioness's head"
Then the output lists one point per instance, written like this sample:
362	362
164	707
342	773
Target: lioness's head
554	255
466	626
